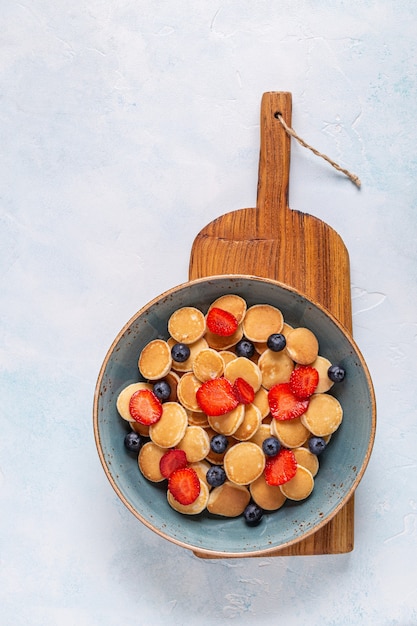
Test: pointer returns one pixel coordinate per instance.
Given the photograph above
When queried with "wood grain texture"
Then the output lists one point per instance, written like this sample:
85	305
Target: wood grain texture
273	241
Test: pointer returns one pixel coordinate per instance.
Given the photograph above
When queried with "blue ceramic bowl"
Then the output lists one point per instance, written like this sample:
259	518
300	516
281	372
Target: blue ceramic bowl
341	465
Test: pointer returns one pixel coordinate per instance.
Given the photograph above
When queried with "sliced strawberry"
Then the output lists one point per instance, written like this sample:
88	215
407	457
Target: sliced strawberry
221	322
145	407
284	404
216	397
172	460
279	469
303	381
184	485
243	391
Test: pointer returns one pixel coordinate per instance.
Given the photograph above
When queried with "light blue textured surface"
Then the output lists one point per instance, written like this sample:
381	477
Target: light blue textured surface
125	128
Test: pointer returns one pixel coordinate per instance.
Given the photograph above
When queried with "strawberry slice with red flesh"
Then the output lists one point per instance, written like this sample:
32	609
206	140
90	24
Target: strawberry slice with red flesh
172	460
243	391
279	469
216	397
145	407
284	404
184	485
221	322
303	381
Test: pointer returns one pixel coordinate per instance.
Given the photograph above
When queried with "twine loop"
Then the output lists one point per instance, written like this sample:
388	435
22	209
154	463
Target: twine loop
301	141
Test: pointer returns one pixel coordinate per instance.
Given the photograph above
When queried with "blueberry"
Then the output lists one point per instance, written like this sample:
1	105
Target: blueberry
253	514
336	373
133	441
162	390
218	444
276	342
316	445
180	352
271	446
244	347
215	476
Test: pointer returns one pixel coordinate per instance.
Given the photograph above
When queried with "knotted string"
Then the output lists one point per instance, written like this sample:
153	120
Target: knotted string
292	133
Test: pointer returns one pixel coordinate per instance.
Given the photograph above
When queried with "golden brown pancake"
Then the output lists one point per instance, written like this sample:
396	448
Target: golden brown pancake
187	325
155	360
268	497
208	364
276	367
302	346
228	500
123	399
250	425
306	459
228	423
148	460
246	369
291	433
261	321
195	443
170	429
232	303
187	390
244	463
323	416
299	487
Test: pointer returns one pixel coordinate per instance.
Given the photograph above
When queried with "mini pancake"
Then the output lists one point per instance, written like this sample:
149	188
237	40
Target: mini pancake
307	459
196	418
228	423
170	429
227	356
123	399
148	460
141	429
232	303
187	325
302	346
261	401
195	348
260	347
268	497
299	487
155	360
323	416
322	365
244	463
228	500
276	367
195	443
286	329
195	507
261	321
246	369
291	433
187	390
201	468
251	423
217	342
208	364
263	432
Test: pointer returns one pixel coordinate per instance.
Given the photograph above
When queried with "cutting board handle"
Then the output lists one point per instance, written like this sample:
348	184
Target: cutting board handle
274	160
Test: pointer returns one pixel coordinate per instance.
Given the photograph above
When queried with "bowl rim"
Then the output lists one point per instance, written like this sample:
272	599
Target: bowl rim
198	550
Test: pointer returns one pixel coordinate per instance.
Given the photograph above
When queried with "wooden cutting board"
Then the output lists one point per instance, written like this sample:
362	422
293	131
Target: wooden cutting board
274	241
